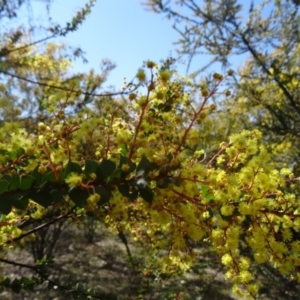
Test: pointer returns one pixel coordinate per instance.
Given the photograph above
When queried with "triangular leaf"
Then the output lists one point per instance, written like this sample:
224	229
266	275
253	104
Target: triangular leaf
3	186
115	175
26	182
164	182
147	194
104	193
125	149
204	189
124	160
41	197
209	197
38	177
12	155
16	285
28	283
79	197
105	169
20	152
20	201
49	177
6	177
170	157
5	281
71	168
26	280
90	167
14	182
145	166
125	190
5	205
57	194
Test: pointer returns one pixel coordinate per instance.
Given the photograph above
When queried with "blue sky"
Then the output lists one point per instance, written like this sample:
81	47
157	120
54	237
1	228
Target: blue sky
120	30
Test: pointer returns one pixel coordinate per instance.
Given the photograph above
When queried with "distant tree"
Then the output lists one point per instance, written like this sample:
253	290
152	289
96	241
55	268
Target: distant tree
269	33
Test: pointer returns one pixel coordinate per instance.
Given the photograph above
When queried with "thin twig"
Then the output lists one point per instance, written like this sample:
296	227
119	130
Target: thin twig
63	88
68	214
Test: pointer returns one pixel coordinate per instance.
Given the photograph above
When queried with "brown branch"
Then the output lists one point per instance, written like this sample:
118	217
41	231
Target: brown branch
4	51
140	119
62	88
34	268
68	214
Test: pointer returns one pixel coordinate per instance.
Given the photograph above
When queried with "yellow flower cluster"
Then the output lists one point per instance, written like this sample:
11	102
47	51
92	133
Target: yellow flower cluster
234	198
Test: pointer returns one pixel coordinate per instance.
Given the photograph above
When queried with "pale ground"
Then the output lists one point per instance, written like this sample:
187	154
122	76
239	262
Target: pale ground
103	265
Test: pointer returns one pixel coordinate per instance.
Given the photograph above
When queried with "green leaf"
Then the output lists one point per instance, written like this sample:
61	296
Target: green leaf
20	201
38	177
132	167
17	153
20	152
71	168
90	167
14	182
57	194
165	182
168	168
28	283
204	189
41	197
124	161
105	169
170	157
5	205
3	152
125	149
145	166
168	94
3	186
209	197
26	182
41	178
104	193
79	197
125	190
177	181
205	194
147	194
44	187
167	107
49	176
5	281
16	285
115	175
12	155
17	199
6	177
27	280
